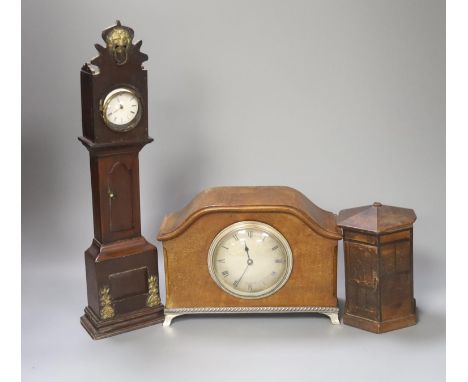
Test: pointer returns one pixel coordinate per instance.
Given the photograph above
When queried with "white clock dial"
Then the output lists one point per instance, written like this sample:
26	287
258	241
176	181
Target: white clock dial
250	260
121	109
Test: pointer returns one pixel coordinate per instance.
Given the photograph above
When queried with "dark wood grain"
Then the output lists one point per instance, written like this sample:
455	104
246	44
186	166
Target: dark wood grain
119	262
378	246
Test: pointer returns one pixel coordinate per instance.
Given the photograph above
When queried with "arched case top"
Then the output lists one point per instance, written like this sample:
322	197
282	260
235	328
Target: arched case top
252	199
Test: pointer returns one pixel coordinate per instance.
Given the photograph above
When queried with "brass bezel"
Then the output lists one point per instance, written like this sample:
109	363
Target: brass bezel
105	103
261	227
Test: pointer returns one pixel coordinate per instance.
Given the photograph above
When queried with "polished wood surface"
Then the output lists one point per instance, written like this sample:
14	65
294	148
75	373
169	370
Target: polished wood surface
265	199
378	246
377	218
120	263
101	75
311	233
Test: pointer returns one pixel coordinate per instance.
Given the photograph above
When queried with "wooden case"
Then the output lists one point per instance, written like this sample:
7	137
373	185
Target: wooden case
121	266
310	231
378	246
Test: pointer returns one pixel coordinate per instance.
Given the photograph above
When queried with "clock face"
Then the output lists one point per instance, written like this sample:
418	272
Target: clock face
121	109
250	260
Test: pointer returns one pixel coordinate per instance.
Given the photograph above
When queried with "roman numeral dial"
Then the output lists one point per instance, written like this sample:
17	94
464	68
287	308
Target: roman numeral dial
250	260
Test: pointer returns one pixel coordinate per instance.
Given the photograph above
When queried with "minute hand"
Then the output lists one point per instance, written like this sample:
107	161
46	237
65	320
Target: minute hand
236	283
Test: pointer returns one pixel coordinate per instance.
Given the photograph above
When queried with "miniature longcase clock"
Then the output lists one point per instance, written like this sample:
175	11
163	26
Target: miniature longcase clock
121	266
250	250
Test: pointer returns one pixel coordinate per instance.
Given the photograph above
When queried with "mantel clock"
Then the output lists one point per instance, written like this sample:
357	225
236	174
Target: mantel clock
121	266
250	250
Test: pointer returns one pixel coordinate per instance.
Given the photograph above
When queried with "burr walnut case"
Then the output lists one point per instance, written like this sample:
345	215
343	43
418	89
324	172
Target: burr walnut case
250	250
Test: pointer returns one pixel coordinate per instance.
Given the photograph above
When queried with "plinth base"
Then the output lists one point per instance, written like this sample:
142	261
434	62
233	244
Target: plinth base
98	328
379	326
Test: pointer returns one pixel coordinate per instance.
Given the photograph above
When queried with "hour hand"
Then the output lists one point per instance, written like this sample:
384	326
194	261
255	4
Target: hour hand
113	111
249	260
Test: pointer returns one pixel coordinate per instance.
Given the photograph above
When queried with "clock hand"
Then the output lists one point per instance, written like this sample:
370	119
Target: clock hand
236	283
113	111
121	106
249	261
